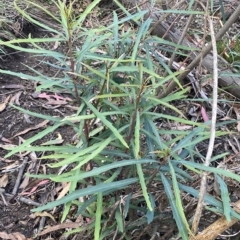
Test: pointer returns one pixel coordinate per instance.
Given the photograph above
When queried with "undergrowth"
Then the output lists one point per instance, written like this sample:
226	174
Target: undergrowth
230	51
120	164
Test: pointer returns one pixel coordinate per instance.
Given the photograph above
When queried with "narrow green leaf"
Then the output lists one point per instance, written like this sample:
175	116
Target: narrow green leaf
38	115
181	227
208	199
115	31
176	119
92	150
149	137
127	204
177	170
160	144
185	141
102	146
111	95
134	17
72	188
32	50
150	214
170	106
98	216
65	211
114	175
38	136
119	220
178	196
124	69
83	15
100	188
32	20
106	123
143	186
225	198
137	136
182	11
190	4
220	156
219	171
86	204
141	33
97	171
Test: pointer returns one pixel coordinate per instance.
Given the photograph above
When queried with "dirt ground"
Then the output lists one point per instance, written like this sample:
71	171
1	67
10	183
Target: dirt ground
16	215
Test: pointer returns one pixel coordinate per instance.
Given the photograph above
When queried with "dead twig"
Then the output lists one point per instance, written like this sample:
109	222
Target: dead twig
24	200
181	38
2	191
203	187
41	224
215	229
20	174
203	54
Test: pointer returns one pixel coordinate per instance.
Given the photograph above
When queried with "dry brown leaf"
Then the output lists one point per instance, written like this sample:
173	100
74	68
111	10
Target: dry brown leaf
60	226
34	188
33	156
56	102
10	167
64	191
6	140
4	104
27	118
58	140
20	236
231	144
44	169
56	44
26	179
65	188
13	236
4	180
6	160
42	124
50	107
72	107
236	109
15	98
10	86
44	214
32	184
227	118
7	146
25	182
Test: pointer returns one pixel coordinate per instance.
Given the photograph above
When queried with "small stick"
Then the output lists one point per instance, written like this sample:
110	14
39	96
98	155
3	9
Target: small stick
203	187
24	200
20	174
41	224
3	198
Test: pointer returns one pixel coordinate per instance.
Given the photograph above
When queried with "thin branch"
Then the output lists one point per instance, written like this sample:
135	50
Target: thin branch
27	201
198	213
20	175
204	52
182	37
164	17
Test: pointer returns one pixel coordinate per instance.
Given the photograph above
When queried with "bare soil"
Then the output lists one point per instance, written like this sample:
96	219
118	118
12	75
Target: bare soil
16	216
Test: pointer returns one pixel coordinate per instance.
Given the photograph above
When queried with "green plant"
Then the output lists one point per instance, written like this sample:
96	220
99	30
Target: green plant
229	50
116	165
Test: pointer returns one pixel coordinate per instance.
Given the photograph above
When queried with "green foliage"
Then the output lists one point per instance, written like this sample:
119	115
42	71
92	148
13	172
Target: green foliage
230	50
125	154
